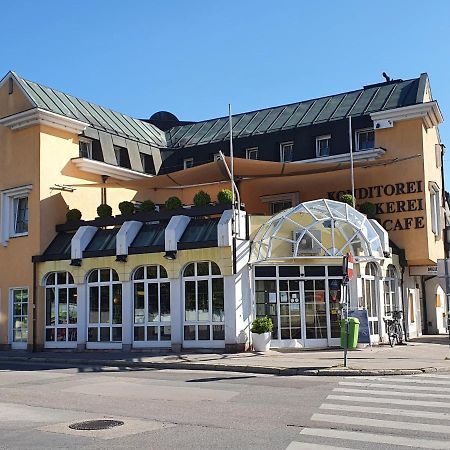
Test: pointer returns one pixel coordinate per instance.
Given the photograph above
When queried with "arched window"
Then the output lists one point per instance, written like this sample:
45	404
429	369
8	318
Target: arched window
390	291
151	297
105	306
370	296
60	308
204	313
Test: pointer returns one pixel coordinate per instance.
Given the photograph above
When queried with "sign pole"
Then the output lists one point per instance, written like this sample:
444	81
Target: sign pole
347	270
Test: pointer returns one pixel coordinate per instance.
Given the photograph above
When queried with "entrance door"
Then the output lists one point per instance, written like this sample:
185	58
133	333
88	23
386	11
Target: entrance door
316	313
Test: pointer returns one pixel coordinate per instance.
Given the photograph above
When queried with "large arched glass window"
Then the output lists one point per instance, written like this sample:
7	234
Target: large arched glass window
151	297
390	291
105	306
60	308
204	313
370	295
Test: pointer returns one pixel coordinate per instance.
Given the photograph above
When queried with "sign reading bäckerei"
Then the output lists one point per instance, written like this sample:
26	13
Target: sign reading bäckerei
391	207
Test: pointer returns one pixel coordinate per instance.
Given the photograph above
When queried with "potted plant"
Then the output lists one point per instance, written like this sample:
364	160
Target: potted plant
147	206
73	215
202	198
126	208
262	333
369	209
225	196
347	198
173	203
104	211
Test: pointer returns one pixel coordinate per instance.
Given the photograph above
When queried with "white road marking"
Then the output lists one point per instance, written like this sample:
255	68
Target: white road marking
386	411
309	446
406	380
400	387
376	438
377	423
389	401
395	394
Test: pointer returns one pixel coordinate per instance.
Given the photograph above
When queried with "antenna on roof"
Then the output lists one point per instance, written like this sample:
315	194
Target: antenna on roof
386	77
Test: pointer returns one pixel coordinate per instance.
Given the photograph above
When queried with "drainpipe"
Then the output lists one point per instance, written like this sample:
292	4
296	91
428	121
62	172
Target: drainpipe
402	284
33	309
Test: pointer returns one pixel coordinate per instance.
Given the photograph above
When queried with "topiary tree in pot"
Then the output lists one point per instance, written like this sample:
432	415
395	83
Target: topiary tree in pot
347	198
147	206
173	203
73	215
262	333
126	208
369	209
202	198
104	211
225	196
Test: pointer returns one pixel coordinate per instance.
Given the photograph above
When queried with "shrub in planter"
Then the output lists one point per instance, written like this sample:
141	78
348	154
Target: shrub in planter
73	215
173	203
126	208
225	196
104	210
346	198
202	198
261	333
369	209
147	206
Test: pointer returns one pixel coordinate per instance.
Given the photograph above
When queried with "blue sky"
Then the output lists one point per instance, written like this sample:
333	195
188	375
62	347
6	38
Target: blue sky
194	57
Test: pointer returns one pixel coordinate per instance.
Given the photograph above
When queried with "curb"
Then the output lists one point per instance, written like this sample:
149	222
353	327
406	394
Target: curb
280	371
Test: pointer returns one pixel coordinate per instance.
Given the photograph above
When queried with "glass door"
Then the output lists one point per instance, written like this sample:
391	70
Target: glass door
316	313
290	309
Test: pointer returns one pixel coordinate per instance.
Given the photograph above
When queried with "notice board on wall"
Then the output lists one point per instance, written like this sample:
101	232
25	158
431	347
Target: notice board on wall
364	331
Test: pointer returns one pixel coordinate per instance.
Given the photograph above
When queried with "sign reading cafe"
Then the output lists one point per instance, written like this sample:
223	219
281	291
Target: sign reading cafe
394	206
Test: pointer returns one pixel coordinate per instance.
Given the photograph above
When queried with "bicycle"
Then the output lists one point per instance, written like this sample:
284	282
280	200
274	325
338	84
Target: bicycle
394	328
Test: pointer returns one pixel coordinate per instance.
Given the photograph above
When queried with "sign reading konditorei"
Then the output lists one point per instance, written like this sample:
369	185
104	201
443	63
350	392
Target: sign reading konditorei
391	207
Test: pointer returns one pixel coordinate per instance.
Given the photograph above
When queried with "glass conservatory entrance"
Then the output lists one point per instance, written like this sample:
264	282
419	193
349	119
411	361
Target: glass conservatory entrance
303	303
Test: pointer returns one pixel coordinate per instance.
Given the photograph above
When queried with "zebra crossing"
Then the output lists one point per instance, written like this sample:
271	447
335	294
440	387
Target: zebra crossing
385	412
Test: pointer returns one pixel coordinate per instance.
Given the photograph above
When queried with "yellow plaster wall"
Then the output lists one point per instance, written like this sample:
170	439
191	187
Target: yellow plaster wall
12	103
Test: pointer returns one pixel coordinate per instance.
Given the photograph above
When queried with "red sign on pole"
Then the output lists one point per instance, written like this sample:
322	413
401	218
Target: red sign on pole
347	266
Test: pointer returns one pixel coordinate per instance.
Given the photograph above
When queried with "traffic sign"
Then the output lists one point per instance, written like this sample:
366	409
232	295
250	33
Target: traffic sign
347	266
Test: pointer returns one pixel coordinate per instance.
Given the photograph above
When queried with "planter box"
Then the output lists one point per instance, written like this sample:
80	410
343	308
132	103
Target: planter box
261	342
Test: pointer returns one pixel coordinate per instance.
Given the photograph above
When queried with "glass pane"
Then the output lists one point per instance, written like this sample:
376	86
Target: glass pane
117	334
93	276
152	272
189	301
165	333
105	275
104	304
162	272
72	334
50	306
104	334
153	313
61	334
215	269
61	278
139	333
92	334
334	295
152	333
189	332
50	334
203	300
139	274
202	268
164	300
189	271
50	280
203	333
93	305
117	304
69	278
217	300
62	305
219	332
139	303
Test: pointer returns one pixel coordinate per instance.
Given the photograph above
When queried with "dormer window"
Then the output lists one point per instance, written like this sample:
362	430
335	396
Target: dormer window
188	163
365	139
122	158
85	146
323	146
286	151
251	153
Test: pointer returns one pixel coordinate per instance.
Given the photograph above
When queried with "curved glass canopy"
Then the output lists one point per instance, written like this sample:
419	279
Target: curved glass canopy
316	229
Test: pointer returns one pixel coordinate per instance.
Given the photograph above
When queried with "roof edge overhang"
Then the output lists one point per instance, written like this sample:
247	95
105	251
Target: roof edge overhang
363	155
104	169
38	116
429	112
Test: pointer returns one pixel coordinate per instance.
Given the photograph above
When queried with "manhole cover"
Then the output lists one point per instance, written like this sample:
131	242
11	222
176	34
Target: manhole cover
96	424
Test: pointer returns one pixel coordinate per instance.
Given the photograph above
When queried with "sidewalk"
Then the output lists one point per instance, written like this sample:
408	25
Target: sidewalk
425	354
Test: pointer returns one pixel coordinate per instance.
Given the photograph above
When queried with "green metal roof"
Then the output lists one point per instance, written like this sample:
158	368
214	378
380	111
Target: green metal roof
372	98
98	117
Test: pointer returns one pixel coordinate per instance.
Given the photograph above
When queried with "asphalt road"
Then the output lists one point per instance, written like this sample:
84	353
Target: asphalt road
167	409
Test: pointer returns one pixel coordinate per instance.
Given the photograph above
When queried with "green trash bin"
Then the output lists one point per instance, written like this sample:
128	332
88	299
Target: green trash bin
353	330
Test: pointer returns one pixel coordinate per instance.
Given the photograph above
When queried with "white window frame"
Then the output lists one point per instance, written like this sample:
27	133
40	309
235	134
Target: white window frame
363	130
283	146
216	157
9	198
250	150
293	197
435	209
326	137
17	344
89	147
187	161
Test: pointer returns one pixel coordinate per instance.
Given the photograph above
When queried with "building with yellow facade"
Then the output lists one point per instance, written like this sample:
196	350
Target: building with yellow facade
195	277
